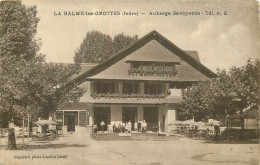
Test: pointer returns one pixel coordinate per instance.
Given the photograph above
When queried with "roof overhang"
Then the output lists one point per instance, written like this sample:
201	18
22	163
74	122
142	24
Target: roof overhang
154	35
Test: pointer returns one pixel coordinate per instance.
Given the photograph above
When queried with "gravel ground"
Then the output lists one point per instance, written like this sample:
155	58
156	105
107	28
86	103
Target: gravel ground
78	148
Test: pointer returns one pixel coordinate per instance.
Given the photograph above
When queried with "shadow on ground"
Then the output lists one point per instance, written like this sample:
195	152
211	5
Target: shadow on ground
152	163
231	142
47	146
201	156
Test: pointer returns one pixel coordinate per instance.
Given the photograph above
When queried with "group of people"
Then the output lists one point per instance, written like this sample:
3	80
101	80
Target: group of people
139	126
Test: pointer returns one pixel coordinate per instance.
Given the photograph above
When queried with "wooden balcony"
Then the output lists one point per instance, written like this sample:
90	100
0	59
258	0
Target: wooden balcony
125	96
133	99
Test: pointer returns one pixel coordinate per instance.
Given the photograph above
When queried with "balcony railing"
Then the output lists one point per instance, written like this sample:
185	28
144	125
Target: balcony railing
125	96
147	72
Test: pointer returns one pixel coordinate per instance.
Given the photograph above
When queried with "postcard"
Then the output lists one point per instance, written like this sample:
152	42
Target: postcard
129	82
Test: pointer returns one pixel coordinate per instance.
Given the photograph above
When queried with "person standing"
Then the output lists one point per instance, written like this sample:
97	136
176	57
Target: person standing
39	129
144	126
129	126
135	126
139	125
114	127
123	127
126	126
102	124
120	127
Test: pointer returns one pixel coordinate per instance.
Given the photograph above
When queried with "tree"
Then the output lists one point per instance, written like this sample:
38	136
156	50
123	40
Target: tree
232	91
245	85
94	48
29	85
18	25
98	47
122	41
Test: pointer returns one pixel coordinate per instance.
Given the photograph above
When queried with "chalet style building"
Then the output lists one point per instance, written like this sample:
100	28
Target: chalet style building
142	82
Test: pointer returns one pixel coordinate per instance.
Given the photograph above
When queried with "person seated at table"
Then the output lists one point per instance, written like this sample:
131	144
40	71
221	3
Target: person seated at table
59	129
52	128
45	128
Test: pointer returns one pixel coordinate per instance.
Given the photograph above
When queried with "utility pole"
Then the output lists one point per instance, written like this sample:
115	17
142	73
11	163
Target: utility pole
28	126
23	129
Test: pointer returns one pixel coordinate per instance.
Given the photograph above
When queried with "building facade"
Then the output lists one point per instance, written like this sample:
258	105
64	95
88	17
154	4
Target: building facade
143	82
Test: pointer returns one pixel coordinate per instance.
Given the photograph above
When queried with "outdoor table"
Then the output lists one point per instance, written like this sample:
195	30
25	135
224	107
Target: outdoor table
39	137
44	136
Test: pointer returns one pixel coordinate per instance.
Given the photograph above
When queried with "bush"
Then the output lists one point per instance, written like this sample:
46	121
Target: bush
238	135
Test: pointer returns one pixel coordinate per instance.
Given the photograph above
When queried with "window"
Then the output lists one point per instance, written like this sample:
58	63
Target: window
104	87
153	88
130	88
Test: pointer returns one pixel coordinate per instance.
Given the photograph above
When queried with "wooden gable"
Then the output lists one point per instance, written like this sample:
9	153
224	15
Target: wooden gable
151	48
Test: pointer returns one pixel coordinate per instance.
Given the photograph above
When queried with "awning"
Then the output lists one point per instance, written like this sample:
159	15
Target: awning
45	122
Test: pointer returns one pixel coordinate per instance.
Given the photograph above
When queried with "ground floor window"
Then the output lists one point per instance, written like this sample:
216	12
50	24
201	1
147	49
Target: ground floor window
82	118
72	118
102	115
59	117
151	118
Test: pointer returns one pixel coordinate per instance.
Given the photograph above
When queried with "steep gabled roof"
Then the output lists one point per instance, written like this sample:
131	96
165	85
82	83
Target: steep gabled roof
84	67
192	60
73	106
193	54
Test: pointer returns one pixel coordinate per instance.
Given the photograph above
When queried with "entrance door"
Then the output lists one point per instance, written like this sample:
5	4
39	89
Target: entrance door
129	114
71	123
151	118
70	113
102	114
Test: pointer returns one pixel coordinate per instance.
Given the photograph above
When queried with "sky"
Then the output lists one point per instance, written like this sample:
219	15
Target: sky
222	41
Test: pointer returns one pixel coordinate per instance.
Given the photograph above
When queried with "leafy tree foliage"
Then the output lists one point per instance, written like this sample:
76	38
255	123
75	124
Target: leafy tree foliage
232	91
122	41
28	83
98	47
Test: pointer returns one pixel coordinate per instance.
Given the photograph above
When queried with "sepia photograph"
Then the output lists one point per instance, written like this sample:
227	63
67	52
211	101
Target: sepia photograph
129	82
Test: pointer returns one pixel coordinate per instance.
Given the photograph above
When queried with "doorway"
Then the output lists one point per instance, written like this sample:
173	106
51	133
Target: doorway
102	114
129	114
71	123
70	113
151	118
